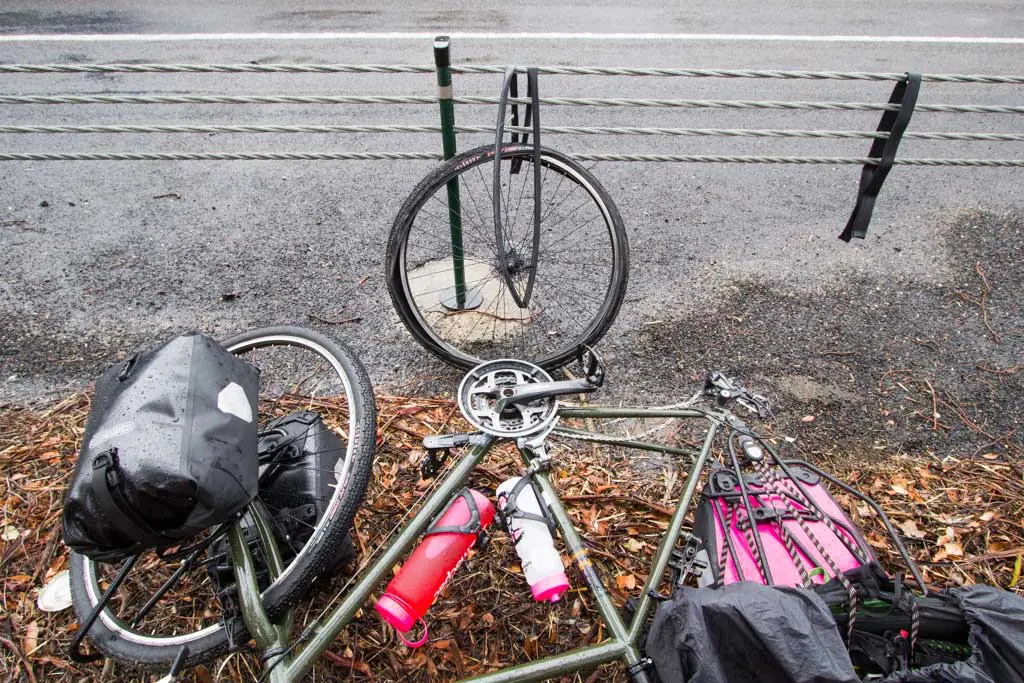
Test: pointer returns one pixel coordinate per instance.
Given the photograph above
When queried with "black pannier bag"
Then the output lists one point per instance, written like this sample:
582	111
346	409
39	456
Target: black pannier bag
748	632
169	450
300	456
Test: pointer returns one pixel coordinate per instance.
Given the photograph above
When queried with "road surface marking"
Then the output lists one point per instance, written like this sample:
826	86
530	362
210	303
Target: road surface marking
682	37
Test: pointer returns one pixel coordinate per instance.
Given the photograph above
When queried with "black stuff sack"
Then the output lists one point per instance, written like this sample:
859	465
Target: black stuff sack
170	449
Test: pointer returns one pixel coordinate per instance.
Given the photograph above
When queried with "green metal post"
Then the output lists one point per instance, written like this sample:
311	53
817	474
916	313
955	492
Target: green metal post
442	61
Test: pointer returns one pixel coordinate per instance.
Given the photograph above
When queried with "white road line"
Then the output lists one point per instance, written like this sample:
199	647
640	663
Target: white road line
693	37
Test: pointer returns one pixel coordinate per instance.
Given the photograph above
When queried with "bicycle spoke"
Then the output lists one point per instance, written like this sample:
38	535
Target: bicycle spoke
575	271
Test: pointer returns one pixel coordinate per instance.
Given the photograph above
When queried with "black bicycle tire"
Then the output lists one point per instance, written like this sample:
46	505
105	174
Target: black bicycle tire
433	183
285	592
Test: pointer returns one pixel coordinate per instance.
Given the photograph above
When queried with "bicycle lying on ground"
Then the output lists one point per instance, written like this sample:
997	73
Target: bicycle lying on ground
507	278
506	400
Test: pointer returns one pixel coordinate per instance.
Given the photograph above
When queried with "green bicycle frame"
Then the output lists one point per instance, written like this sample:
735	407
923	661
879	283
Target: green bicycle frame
623	644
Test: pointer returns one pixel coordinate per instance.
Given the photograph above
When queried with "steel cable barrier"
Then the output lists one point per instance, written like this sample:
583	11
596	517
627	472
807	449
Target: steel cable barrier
428	105
980	100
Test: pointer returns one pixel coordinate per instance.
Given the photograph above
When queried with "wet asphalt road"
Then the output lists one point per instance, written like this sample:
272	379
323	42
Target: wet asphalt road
98	258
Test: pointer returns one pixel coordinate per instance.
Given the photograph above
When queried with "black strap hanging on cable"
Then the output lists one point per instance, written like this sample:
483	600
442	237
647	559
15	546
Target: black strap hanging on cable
502	241
531	87
894	122
524	138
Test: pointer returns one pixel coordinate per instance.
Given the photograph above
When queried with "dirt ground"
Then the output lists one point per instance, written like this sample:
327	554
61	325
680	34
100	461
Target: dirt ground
882	368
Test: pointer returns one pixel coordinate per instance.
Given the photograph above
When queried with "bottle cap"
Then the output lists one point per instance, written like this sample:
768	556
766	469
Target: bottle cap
395	612
550	588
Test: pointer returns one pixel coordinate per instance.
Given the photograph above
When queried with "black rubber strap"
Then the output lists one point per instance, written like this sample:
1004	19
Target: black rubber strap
271	653
872	177
473	526
106	489
510	84
513	91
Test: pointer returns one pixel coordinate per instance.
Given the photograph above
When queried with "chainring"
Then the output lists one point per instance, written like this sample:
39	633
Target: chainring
487	383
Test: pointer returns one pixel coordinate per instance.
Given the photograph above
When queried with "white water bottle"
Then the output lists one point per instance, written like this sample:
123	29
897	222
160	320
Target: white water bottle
528	527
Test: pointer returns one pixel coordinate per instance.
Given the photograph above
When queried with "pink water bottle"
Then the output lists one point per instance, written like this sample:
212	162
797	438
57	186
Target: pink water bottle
531	533
413	590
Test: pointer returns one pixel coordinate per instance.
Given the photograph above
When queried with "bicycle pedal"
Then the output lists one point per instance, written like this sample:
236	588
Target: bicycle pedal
439	447
433	462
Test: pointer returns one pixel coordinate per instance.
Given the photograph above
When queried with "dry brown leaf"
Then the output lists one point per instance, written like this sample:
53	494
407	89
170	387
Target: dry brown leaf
30	641
909	528
625	581
632	545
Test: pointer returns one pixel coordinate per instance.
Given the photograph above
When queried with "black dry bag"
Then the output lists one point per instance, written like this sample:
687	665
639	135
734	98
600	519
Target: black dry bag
169	450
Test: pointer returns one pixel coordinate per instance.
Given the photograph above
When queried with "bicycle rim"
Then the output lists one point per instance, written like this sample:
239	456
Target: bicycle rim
299	371
581	264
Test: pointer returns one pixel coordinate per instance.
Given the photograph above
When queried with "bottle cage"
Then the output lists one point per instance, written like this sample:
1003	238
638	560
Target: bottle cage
513	511
473	526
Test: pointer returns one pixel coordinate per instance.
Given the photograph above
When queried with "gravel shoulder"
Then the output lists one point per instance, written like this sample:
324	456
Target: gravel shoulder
860	363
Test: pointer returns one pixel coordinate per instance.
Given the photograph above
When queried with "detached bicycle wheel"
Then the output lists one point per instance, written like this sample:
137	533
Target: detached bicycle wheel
314	394
462	304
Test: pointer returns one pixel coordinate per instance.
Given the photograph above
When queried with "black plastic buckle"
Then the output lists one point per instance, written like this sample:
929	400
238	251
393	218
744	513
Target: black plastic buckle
228	622
439	448
107	461
127	367
684	563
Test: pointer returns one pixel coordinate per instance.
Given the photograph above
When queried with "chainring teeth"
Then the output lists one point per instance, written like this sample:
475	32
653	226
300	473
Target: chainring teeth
481	389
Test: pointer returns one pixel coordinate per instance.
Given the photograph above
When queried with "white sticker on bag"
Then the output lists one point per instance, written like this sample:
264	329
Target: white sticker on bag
232	400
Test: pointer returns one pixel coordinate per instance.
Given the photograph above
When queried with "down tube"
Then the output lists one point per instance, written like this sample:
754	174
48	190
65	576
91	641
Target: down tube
615	648
668	541
325	632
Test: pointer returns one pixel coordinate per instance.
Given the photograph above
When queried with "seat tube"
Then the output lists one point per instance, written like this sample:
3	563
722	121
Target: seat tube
578	554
